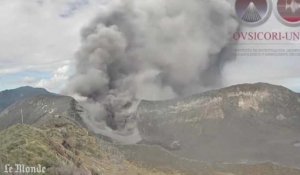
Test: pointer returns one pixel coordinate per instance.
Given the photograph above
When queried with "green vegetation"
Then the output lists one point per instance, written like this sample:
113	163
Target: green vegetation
28	145
64	148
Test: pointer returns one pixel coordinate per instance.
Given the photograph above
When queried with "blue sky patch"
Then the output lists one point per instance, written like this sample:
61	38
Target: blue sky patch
10	81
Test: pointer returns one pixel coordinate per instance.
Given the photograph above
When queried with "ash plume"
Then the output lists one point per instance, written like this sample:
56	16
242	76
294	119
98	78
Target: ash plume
149	49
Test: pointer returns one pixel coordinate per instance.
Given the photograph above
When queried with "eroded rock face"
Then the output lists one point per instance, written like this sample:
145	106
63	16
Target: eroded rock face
250	122
9	97
39	109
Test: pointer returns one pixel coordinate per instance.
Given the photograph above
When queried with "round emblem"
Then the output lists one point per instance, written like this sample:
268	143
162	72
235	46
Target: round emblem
288	12
253	12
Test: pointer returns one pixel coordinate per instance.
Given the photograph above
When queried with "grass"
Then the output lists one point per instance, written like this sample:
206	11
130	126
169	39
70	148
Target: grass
64	148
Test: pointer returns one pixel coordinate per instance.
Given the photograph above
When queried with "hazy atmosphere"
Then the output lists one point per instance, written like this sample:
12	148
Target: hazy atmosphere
149	87
43	39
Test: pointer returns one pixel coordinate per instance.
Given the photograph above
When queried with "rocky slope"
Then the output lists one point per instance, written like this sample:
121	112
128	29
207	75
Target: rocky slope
8	97
248	123
250	129
155	157
65	149
40	108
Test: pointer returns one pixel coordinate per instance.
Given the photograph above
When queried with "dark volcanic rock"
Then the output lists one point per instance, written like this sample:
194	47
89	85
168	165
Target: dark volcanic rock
243	123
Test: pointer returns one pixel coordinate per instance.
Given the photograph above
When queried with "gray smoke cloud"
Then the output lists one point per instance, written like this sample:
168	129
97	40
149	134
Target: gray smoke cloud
150	49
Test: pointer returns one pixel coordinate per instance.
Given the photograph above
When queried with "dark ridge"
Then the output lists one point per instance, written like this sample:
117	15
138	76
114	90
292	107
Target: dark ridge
9	97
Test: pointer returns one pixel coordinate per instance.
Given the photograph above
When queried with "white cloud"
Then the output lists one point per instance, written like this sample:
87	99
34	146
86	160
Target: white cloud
57	82
34	35
29	80
10	70
43	35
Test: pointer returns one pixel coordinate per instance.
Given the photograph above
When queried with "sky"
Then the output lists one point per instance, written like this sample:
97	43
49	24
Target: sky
39	39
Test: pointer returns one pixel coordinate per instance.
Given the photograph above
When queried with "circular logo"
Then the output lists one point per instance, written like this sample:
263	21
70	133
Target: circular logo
288	12
253	12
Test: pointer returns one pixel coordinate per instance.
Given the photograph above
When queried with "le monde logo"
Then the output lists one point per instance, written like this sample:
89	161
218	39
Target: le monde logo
21	168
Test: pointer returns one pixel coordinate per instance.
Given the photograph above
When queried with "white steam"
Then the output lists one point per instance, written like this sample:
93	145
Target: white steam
150	49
